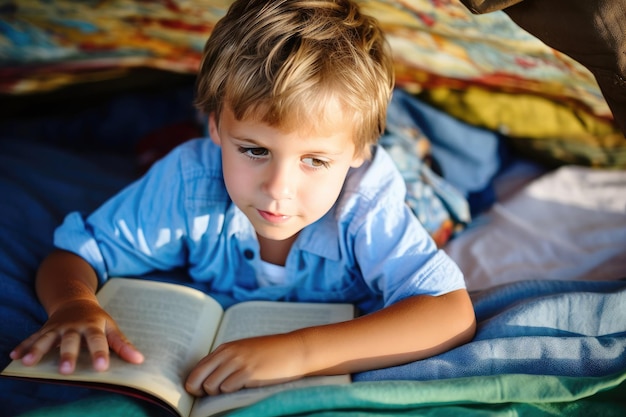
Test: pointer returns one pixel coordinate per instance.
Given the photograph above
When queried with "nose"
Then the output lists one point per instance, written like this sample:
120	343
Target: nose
280	181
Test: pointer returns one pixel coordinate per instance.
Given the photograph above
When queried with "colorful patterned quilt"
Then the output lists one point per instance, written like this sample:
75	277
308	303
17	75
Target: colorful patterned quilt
483	70
45	44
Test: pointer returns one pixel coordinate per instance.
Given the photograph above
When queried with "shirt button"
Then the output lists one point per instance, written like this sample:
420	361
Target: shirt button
248	254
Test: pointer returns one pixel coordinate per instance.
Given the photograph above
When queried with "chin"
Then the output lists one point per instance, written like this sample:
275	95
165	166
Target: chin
275	234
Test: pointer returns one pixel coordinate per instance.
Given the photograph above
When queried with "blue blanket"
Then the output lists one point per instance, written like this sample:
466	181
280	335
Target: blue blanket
535	327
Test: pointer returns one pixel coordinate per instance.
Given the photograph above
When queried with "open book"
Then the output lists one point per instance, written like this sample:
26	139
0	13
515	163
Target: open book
174	326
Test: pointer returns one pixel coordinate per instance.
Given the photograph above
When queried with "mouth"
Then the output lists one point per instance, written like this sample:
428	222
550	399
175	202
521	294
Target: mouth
273	217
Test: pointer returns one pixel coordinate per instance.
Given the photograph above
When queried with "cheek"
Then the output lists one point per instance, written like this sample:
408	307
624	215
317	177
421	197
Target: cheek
237	178
321	194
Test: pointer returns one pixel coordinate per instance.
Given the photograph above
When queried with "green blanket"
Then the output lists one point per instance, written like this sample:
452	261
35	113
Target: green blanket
510	395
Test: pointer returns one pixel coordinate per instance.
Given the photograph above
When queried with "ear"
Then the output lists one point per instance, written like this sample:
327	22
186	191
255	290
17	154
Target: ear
360	157
357	161
213	131
366	154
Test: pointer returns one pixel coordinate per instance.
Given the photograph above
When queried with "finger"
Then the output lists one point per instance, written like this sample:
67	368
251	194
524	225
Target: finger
235	382
213	384
39	347
20	350
124	349
198	375
69	350
98	349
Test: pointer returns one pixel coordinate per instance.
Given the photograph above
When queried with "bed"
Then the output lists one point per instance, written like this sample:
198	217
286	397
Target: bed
513	160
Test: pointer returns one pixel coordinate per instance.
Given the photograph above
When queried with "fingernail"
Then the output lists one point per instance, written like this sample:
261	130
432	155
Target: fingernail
65	367
100	363
28	358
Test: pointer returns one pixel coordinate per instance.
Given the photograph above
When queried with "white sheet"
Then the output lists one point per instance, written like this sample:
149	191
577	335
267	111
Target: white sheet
568	224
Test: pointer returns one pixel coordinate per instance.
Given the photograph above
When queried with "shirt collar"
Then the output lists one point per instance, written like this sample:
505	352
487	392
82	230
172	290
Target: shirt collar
321	238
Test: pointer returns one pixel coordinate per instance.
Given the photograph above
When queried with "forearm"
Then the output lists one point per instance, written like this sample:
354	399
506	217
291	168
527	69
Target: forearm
412	329
64	277
409	330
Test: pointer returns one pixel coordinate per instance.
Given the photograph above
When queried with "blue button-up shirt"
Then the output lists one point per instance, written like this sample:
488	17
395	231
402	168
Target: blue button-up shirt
369	249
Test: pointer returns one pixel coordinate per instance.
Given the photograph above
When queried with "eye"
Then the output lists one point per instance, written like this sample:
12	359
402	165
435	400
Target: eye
253	153
316	162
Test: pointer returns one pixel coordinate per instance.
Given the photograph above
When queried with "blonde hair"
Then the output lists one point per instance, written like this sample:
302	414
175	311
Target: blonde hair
281	61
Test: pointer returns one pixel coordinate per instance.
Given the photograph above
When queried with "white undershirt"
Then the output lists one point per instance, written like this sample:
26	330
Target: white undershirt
271	274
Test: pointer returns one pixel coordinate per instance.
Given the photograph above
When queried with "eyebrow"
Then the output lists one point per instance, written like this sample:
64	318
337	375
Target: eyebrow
246	139
253	142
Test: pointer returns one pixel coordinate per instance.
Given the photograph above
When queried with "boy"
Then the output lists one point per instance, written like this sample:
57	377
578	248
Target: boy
289	199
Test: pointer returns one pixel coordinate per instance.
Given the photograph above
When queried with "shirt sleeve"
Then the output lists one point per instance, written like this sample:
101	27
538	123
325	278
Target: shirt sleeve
394	252
140	229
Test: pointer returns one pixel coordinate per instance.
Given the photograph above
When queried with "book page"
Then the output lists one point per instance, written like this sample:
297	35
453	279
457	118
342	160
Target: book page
172	325
258	318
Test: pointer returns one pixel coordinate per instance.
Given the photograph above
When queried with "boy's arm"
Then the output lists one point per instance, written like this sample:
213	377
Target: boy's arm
415	328
66	286
412	329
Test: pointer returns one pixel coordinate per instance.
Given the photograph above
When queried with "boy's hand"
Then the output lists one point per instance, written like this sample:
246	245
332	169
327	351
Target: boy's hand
248	363
67	328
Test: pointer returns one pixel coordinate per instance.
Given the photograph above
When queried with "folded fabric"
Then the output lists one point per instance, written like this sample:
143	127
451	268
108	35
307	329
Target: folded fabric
468	156
441	155
45	45
536	126
559	328
436	46
591	32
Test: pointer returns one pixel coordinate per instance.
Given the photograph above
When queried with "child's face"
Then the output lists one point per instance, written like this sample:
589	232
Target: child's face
284	181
